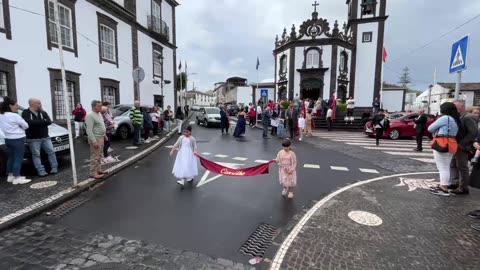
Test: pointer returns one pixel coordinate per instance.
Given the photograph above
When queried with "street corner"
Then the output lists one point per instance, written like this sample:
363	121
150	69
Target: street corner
387	222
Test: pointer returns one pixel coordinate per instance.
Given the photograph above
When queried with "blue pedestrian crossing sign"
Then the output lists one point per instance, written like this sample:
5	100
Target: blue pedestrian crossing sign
264	92
458	59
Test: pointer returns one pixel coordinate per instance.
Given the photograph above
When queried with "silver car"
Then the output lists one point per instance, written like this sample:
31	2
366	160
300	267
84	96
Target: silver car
123	124
209	116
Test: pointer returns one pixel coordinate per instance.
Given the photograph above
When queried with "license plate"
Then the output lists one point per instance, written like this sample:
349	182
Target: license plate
61	147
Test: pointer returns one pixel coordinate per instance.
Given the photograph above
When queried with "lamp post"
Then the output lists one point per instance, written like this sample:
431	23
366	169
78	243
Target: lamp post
429	98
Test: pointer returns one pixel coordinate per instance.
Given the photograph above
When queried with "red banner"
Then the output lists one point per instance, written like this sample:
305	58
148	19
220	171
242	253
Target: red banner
243	172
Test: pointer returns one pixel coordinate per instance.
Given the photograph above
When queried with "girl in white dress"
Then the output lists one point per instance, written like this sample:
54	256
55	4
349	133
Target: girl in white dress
185	167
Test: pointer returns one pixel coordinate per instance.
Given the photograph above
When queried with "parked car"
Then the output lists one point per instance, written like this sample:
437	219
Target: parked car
208	116
123	125
401	126
233	109
195	108
59	137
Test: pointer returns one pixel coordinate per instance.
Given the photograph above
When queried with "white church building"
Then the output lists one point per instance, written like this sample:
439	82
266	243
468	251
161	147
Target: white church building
318	60
103	41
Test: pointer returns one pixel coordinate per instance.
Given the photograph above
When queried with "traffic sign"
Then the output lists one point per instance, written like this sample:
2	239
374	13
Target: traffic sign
458	59
264	92
138	74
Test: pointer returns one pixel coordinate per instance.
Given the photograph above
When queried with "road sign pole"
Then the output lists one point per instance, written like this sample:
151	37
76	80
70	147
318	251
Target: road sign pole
457	86
65	93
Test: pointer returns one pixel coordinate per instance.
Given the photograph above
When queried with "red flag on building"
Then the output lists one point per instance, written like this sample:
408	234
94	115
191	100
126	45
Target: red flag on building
334	105
243	172
384	56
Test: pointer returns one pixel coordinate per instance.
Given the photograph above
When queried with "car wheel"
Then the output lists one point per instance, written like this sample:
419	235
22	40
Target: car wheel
198	121
394	134
206	123
123	132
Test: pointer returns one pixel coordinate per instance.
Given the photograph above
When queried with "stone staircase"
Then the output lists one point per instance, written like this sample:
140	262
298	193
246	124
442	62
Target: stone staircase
340	124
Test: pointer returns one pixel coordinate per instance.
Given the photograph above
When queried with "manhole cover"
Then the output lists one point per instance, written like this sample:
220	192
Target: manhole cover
109	266
45	184
258	243
68	206
365	218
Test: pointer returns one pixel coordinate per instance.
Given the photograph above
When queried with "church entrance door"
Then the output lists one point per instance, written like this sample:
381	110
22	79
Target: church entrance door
312	89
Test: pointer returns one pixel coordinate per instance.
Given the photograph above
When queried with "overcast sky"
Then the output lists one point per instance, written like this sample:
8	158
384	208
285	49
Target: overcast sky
222	38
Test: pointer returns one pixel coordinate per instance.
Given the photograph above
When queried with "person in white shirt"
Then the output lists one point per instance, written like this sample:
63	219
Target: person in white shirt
13	127
259	112
301	125
329	119
350	108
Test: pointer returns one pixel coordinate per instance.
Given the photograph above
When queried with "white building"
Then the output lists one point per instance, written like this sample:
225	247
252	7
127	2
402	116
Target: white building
195	97
443	92
317	60
103	42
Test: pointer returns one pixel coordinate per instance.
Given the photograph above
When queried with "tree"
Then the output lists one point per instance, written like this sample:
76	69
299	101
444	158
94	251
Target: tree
184	81
405	78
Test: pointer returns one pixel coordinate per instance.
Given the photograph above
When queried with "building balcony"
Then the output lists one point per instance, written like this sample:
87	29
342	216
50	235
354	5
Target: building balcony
158	26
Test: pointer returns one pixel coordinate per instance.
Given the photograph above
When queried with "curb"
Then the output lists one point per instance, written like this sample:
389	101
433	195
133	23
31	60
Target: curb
29	212
285	243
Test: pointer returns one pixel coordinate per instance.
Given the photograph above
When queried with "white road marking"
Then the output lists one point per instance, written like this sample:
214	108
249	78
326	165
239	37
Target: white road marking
394	149
280	255
221	156
169	146
261	161
414	183
240	158
426	160
311	166
191	123
206	154
381	144
413	154
368	170
336	168
131	147
205	178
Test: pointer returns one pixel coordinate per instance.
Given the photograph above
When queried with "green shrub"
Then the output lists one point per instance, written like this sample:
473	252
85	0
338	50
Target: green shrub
342	107
285	105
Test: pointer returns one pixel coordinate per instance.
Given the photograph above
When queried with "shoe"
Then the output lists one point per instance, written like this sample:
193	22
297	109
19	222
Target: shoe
10	178
97	177
76	137
476	227
181	182
21	181
474	214
300	139
440	192
147	141
190	180
460	191
452	186
290	195
110	150
417	150
108	159
54	171
42	174
284	192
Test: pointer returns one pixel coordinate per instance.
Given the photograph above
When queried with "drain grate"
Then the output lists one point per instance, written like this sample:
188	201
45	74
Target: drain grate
68	206
109	266
258	243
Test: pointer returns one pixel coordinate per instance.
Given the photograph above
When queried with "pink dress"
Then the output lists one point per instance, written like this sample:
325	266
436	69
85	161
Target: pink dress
287	162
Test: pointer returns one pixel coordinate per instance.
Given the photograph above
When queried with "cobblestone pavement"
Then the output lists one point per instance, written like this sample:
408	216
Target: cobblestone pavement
18	197
42	244
388	224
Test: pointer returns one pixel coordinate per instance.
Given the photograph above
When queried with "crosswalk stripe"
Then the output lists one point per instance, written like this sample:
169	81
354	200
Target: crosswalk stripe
393	149
169	146
418	154
240	158
311	166
373	141
387	145
261	161
221	156
337	168
368	170
426	160
206	154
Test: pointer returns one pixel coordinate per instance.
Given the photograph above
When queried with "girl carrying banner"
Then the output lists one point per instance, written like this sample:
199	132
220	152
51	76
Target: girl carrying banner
287	163
185	167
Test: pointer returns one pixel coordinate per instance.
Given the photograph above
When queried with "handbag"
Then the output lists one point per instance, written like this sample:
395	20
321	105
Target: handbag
435	142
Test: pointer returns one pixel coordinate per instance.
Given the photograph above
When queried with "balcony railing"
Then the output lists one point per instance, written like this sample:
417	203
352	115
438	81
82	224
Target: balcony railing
158	26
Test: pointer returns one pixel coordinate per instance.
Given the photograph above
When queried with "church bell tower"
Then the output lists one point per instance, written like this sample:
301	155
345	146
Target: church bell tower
366	21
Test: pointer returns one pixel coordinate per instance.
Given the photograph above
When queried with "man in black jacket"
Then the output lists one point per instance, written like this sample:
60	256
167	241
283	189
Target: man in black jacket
467	133
37	134
420	125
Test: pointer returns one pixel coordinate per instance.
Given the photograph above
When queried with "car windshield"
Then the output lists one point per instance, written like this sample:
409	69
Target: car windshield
213	110
118	111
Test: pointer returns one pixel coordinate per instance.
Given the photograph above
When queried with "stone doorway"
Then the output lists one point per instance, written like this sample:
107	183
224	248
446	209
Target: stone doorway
312	89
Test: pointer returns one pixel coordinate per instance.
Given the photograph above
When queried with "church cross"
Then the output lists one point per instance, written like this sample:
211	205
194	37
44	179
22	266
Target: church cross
315	5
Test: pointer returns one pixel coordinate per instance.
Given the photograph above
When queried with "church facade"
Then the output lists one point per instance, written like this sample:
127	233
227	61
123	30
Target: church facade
318	61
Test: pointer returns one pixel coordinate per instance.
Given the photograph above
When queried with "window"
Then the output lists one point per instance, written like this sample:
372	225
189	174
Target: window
110	91
3	84
368	7
59	105
313	59
107	36
107	39
157	56
5	19
66	17
367	37
156	10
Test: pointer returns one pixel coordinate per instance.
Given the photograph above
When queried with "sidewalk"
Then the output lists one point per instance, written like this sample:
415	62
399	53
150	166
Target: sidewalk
392	223
22	201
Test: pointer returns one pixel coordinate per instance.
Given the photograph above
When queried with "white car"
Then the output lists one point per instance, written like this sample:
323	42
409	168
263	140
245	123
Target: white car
208	116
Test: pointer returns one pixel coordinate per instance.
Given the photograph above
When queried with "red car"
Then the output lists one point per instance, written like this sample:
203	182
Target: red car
401	126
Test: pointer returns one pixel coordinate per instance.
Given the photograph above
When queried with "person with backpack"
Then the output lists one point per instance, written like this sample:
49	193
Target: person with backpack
380	124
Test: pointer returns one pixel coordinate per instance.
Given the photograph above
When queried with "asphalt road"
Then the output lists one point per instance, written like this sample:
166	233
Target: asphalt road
144	202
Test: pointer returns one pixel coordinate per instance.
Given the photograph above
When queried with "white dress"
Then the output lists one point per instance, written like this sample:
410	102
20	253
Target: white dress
185	166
